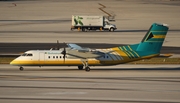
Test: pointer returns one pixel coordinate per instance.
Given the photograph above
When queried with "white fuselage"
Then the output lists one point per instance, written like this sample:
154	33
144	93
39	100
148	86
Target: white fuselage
56	58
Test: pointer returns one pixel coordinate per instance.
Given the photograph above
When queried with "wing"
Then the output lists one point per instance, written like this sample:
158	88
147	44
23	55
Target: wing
85	55
81	52
74	46
79	48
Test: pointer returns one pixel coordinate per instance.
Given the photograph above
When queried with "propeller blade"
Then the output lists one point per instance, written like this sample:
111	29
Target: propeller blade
64	53
58	45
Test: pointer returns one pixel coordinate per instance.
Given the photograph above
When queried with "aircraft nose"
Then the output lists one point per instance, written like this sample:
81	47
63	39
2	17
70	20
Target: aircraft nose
13	62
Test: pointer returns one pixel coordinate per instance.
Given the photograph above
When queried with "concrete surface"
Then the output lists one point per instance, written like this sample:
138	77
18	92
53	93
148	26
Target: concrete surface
121	83
48	21
18	48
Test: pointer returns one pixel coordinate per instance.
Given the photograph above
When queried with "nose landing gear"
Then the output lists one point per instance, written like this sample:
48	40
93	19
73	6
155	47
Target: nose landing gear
21	68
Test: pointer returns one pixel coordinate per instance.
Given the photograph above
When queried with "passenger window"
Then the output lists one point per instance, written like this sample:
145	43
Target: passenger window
56	56
64	56
49	57
59	56
53	56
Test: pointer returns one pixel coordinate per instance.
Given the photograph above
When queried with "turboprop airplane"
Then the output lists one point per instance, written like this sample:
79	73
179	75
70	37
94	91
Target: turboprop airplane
75	55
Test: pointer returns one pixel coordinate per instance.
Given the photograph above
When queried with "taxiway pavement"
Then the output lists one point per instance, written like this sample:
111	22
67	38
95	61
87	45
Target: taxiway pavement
121	83
46	21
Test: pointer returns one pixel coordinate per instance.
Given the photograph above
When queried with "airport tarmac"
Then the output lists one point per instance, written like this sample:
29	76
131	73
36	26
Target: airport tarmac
46	21
120	83
50	20
18	48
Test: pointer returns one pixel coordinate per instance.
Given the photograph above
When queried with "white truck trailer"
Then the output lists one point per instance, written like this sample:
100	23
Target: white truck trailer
87	23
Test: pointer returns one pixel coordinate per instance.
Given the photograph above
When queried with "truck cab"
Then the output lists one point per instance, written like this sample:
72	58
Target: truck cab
109	26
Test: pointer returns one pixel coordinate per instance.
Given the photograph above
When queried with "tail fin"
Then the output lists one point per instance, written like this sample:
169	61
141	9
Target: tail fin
154	38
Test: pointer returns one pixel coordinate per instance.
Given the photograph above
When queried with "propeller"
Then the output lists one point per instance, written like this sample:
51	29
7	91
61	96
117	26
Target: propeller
64	52
64	49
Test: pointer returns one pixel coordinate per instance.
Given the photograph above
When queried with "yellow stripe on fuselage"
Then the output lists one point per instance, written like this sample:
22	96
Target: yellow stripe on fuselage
91	62
150	56
55	62
159	36
121	53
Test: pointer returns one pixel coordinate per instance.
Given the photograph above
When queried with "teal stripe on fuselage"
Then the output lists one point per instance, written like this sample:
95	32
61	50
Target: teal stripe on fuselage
129	51
134	54
155	40
132	51
122	49
127	48
130	54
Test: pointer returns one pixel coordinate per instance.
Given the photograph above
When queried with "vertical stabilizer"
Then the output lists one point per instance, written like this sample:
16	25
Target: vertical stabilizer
154	38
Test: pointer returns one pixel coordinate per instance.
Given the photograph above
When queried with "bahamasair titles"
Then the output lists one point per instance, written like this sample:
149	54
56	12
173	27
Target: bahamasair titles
75	55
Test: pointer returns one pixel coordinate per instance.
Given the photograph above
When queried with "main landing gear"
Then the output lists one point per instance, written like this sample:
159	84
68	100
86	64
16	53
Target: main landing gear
87	69
85	64
21	68
80	67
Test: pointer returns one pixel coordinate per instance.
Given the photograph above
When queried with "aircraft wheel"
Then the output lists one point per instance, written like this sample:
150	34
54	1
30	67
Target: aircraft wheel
21	68
80	67
87	69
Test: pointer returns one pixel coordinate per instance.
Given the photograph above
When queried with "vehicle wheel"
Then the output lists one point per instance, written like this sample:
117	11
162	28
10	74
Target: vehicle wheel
84	29
87	69
111	29
80	67
21	68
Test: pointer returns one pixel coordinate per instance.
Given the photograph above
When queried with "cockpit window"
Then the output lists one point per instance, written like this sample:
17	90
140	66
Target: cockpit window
24	54
29	55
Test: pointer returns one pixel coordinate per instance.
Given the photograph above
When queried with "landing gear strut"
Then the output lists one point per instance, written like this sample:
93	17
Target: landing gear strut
85	63
21	68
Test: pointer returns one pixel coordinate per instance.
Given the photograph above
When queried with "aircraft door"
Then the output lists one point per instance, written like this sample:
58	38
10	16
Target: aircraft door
41	58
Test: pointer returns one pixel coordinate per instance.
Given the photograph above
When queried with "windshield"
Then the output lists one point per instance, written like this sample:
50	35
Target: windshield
107	23
24	54
27	54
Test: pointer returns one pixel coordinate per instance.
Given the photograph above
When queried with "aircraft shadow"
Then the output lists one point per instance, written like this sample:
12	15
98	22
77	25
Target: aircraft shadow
140	69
